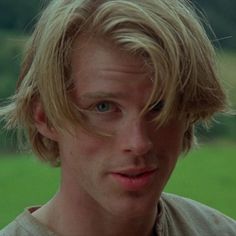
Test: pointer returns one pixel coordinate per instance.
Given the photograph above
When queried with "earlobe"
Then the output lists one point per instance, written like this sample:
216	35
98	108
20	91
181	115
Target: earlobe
41	122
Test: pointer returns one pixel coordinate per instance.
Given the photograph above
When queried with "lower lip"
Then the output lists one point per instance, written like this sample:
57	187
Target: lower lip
134	183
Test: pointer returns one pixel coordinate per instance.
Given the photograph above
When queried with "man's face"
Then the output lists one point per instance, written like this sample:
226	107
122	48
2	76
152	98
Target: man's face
124	173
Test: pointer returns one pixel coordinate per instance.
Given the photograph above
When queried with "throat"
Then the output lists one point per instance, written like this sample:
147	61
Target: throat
69	218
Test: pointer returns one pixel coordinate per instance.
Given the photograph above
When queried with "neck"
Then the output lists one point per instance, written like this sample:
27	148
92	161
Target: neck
71	213
69	219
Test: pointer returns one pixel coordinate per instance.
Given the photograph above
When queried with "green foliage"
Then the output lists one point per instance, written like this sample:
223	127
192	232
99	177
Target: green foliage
223	126
11	48
227	63
221	15
11	45
23	12
206	175
8	142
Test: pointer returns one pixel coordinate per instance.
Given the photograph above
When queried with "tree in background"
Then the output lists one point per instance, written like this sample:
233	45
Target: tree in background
21	15
222	18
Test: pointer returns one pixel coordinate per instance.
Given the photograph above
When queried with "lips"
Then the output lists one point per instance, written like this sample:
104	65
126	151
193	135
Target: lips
134	179
134	172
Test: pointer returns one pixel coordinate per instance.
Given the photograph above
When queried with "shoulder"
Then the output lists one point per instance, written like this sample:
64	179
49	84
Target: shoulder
196	217
25	225
16	227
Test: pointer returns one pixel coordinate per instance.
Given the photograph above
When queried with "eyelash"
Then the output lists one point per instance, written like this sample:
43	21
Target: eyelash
158	107
114	107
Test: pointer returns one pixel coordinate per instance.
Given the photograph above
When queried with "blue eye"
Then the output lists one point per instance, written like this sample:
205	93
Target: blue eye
103	107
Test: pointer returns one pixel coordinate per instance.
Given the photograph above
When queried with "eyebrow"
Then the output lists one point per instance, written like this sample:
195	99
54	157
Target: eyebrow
124	70
102	95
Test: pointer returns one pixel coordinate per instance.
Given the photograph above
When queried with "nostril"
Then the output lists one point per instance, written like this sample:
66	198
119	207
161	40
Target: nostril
138	147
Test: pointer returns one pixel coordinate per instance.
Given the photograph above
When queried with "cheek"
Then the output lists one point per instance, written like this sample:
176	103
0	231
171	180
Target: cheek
83	156
89	147
169	140
86	147
168	148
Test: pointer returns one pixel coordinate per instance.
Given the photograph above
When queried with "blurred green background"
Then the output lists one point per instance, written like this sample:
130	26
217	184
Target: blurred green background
207	174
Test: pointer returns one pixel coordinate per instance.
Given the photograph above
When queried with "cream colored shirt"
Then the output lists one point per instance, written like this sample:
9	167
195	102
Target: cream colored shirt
178	216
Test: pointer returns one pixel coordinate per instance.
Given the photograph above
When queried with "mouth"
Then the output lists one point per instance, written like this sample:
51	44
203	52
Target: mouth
134	179
135	173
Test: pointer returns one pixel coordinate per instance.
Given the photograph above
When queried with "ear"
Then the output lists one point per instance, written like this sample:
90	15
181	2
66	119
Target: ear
41	122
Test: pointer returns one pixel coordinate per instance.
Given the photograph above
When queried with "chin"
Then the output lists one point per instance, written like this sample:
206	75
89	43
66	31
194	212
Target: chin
134	205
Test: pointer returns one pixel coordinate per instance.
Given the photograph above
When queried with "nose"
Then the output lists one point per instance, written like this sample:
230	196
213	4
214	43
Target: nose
135	138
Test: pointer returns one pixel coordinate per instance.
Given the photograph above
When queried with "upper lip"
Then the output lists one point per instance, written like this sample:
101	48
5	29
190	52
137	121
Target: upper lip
134	171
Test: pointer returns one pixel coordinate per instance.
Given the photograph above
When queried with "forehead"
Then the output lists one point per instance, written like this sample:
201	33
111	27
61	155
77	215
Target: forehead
98	67
101	55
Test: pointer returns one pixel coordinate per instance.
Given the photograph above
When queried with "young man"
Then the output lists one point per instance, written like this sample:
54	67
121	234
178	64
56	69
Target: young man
110	91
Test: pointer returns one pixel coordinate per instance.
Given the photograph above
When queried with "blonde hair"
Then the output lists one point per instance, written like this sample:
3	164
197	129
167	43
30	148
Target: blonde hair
166	33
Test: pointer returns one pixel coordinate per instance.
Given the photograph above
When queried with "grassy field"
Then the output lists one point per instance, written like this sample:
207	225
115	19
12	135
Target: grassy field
207	175
24	182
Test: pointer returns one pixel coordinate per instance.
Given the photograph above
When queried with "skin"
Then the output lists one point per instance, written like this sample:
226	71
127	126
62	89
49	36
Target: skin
111	87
